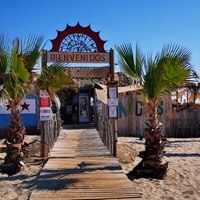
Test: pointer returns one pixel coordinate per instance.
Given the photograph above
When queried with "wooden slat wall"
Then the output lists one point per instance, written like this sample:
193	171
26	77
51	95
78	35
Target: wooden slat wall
186	122
174	123
133	125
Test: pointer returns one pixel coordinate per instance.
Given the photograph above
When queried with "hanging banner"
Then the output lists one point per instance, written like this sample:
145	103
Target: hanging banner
27	106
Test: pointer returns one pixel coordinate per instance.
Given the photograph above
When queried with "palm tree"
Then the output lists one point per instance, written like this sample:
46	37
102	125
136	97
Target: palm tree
17	62
18	78
158	76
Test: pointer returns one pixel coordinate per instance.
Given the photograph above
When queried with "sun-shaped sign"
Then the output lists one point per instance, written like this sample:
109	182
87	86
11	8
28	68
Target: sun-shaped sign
78	39
78	42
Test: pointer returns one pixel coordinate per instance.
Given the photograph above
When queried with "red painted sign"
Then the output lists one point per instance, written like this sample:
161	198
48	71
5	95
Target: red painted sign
44	102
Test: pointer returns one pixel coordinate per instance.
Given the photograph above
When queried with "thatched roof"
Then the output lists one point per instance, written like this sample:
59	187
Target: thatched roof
89	83
124	80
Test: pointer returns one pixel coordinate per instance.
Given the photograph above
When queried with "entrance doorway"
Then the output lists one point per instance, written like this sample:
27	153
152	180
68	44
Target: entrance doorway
84	107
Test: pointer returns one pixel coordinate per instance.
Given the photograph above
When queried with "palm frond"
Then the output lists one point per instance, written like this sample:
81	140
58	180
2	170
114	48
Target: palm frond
5	51
160	74
17	60
17	65
30	49
180	56
54	78
131	65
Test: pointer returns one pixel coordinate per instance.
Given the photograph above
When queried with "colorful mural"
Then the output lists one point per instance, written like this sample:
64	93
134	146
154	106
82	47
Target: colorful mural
136	107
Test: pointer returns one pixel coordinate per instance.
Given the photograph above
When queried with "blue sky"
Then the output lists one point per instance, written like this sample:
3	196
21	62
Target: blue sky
149	23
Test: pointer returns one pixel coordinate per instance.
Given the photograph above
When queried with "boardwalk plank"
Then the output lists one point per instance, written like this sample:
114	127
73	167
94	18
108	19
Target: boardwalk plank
81	167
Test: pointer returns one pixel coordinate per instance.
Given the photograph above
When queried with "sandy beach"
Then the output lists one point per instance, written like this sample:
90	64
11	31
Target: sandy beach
19	186
182	180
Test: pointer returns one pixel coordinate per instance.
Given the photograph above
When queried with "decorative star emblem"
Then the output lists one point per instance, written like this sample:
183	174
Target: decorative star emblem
25	106
8	107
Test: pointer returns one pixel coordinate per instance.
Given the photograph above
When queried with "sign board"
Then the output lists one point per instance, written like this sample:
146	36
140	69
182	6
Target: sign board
112	92
89	72
45	114
44	102
43	94
112	102
78	57
100	106
112	111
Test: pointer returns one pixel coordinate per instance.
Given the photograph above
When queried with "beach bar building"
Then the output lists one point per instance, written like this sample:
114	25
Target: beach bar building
93	69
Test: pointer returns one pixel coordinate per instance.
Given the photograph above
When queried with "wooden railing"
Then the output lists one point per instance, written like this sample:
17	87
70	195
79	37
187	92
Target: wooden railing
49	133
105	129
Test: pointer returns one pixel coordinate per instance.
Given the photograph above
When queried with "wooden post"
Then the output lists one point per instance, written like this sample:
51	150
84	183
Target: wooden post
44	143
112	64
44	58
113	120
43	124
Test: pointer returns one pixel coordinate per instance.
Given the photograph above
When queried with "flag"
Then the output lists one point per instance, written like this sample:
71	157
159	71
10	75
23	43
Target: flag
27	106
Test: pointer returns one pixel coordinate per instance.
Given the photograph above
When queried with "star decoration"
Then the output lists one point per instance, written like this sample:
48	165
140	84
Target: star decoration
8	107
25	106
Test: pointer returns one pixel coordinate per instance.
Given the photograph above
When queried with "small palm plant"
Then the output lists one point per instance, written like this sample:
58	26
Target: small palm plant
55	80
158	76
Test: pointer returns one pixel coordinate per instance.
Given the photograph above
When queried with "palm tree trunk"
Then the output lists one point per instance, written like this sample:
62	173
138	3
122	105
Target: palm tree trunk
151	164
17	149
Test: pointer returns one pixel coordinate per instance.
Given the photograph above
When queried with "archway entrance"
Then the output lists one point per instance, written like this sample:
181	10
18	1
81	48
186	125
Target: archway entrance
81	46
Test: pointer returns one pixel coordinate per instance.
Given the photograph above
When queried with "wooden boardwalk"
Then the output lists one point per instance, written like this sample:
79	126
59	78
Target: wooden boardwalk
81	167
